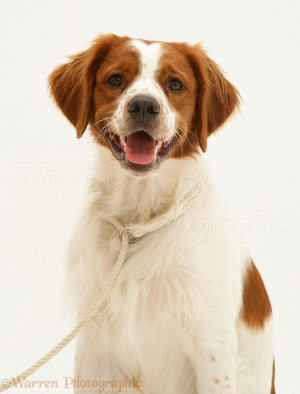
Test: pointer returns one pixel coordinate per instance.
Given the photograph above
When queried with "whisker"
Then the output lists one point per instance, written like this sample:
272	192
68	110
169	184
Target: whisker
179	138
99	121
187	140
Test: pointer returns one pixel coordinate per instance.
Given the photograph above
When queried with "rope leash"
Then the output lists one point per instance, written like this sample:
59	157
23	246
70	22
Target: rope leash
137	231
6	384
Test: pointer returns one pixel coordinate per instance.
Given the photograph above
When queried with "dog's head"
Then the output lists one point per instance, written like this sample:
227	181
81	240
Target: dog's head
144	100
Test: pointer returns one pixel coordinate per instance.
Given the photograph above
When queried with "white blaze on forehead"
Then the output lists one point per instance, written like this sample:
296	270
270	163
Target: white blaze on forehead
149	57
146	83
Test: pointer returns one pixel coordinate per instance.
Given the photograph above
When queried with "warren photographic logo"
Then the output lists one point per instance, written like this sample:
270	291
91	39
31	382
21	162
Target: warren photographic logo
70	383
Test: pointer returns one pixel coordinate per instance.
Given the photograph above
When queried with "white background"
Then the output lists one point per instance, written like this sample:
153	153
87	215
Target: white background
44	170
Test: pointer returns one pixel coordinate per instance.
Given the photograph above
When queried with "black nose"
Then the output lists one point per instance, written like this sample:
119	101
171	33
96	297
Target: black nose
143	108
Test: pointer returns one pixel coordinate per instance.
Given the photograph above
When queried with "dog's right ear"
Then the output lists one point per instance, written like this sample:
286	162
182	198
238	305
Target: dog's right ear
72	84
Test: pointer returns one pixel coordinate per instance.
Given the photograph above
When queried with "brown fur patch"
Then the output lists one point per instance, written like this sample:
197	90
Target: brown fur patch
121	60
72	84
216	97
256	307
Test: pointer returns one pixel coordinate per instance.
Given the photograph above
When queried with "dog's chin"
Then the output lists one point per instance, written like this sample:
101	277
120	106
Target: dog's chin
139	152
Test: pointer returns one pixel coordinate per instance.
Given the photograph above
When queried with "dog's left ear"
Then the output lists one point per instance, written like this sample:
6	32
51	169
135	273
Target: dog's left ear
72	84
217	97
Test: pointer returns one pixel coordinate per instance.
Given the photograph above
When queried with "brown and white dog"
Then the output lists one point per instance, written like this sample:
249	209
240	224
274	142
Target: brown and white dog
189	312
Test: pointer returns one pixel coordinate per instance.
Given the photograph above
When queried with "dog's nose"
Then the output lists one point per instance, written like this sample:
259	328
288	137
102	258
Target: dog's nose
143	108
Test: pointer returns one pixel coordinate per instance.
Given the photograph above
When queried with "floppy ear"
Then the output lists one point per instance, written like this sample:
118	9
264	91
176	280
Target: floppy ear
217	97
72	84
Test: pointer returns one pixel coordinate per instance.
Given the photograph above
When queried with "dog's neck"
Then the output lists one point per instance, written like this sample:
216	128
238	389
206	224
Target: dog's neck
138	199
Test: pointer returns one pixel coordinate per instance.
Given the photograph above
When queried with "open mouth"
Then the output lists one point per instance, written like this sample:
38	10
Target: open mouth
139	151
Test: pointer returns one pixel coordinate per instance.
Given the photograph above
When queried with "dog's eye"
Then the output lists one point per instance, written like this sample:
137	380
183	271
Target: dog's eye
175	84
115	80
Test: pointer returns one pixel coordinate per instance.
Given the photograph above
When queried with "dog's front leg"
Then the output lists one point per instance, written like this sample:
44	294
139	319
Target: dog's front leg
219	370
215	368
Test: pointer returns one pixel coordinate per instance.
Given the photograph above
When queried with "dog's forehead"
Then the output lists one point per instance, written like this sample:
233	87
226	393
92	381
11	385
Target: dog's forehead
149	54
156	56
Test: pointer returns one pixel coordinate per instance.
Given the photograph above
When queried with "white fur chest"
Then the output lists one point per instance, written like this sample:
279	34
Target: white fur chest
179	282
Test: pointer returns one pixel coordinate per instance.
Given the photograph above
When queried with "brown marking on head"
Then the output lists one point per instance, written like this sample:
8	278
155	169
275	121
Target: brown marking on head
72	84
256	307
174	64
121	60
212	359
215	97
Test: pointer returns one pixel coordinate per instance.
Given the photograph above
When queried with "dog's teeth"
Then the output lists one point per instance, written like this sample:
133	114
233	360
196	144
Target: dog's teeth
123	140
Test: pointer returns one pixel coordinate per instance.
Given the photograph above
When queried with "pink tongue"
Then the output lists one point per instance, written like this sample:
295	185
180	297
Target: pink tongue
140	148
